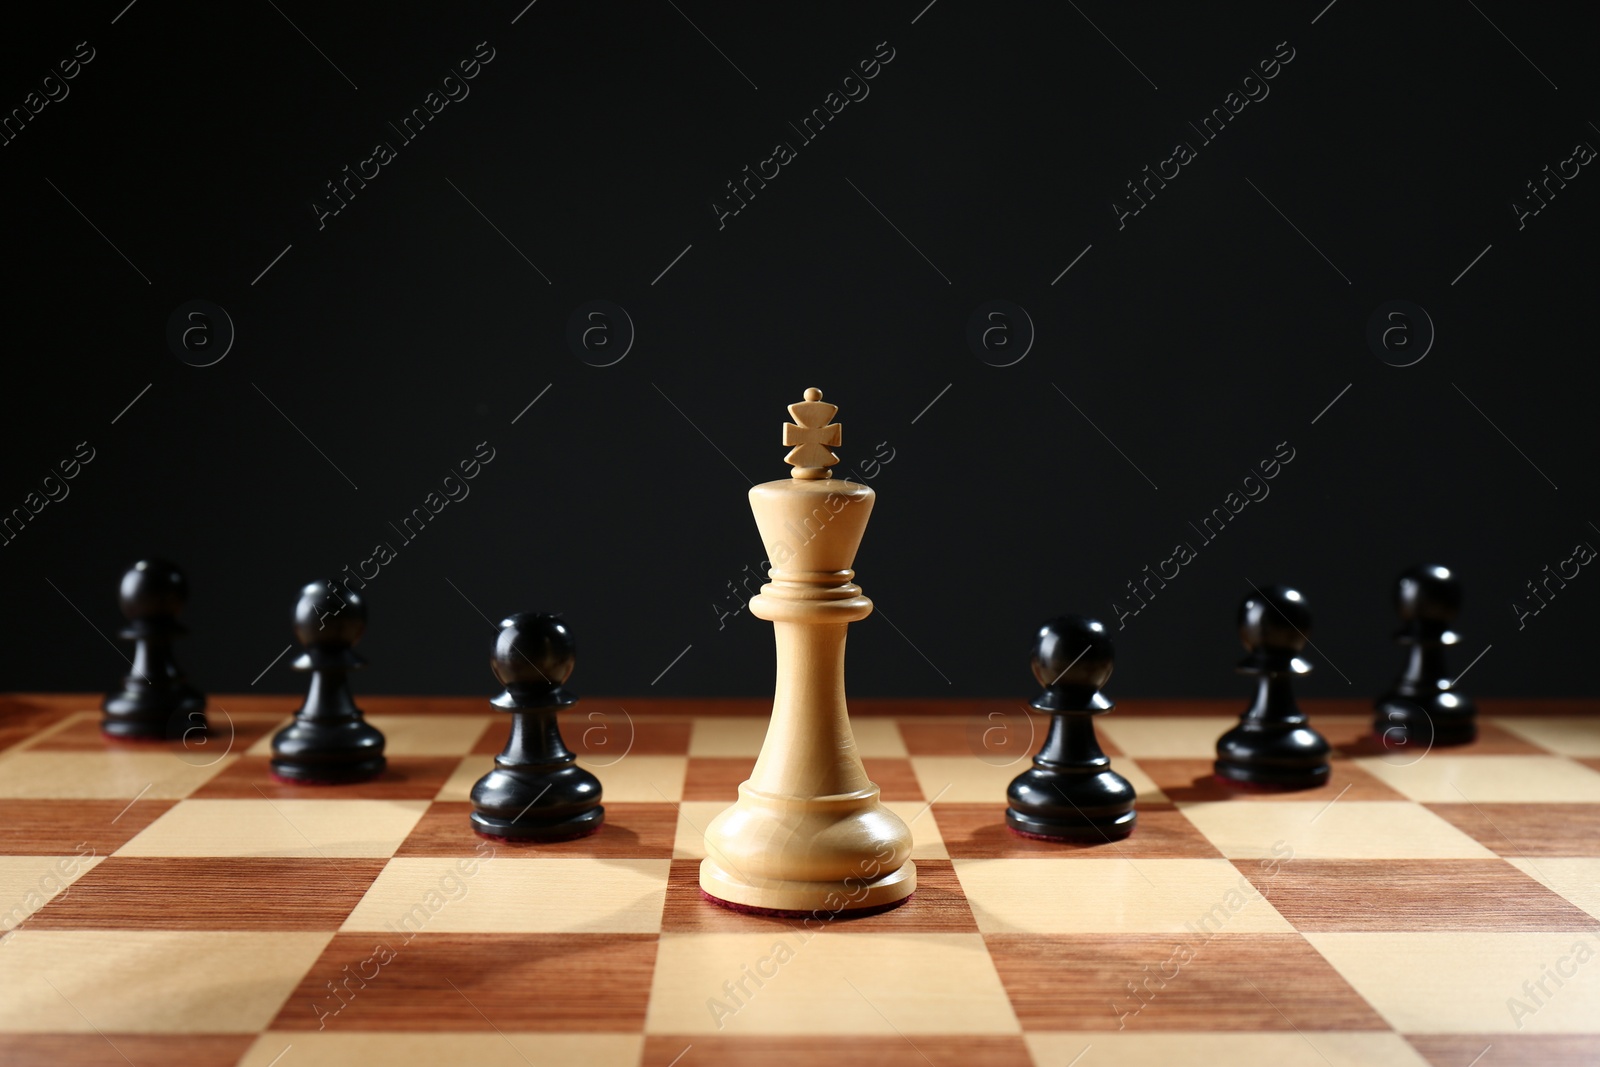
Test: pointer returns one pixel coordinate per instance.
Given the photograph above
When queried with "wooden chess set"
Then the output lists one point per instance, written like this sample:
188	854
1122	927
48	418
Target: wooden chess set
542	879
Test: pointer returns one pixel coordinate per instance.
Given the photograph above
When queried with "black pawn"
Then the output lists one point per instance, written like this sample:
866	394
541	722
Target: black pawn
1273	745
155	703
328	741
537	791
1420	708
1071	793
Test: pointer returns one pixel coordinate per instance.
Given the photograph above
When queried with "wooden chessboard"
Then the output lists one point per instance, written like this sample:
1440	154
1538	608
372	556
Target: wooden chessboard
176	905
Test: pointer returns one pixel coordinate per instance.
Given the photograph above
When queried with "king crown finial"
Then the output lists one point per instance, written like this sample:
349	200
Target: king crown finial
811	434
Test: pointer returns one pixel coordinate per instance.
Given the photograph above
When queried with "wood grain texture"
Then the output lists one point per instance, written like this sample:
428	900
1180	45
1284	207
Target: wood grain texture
211	894
1081	982
120	1050
404	778
558	982
1546	1050
1413	895
21	719
937	907
978	831
1493	740
1514	830
955	1050
57	827
122	940
605	730
631	831
995	731
1193	779
228	733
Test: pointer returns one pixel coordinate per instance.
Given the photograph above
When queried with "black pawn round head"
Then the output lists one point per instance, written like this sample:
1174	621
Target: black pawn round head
1273	626
153	589
328	617
533	657
1428	598
1072	658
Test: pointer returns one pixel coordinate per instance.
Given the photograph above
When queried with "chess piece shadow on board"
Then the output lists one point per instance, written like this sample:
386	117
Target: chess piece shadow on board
1071	793
1274	746
809	833
155	702
537	791
1422	709
329	742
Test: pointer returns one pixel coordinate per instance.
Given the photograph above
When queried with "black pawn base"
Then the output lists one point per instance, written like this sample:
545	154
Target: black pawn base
1071	807
155	715
1292	759
552	803
1071	793
328	753
1406	723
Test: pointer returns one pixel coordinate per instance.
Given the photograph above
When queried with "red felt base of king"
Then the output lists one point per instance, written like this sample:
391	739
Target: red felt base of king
785	913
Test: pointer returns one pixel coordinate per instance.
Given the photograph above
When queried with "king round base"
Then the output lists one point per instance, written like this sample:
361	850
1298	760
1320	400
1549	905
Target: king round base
843	897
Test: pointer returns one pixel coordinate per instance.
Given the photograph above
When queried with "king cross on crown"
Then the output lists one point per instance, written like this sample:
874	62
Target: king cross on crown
812	435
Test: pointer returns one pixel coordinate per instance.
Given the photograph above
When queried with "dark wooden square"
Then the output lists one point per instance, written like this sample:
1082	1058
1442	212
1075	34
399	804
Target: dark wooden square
1516	830
509	982
1226	982
211	893
1419	895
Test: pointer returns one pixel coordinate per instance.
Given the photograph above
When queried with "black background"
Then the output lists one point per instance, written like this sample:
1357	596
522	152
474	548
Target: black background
407	330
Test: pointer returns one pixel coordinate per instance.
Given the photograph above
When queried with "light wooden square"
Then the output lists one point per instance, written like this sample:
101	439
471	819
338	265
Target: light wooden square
113	775
970	780
310	828
263	745
694	816
742	735
148	981
1124	896
927	843
851	983
1467	983
459	785
1444	779
1568	735
417	1049
512	894
28	883
1309	1048
1576	878
1340	829
732	735
1167	736
637	779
